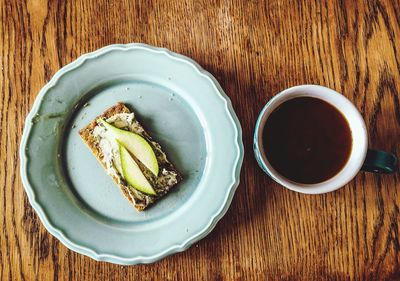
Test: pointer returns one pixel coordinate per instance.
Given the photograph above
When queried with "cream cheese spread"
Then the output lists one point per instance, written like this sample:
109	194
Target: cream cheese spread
111	156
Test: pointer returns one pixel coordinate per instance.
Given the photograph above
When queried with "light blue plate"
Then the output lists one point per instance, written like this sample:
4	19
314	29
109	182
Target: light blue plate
181	105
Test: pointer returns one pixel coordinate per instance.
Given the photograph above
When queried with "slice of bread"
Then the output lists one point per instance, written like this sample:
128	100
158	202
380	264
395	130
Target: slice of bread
138	199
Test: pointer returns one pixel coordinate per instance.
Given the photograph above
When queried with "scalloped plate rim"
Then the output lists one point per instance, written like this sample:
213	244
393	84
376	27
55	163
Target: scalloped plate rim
57	233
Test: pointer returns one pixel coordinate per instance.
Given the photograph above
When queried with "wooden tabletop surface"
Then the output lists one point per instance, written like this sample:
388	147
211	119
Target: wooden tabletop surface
255	49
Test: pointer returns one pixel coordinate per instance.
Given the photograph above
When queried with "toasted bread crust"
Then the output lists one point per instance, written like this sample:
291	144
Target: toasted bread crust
87	136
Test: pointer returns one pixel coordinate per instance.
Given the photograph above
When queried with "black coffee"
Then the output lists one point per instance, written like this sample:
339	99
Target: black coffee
307	140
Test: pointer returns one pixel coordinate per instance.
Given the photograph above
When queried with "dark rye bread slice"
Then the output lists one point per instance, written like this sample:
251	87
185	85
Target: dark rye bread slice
133	196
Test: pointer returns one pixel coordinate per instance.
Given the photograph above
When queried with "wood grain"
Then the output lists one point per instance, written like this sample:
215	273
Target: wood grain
255	49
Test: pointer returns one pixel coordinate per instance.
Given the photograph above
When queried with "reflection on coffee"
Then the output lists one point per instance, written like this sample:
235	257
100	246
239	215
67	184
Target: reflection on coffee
307	140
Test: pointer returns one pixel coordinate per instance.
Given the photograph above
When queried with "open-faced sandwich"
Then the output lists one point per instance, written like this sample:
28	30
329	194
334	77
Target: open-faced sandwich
130	156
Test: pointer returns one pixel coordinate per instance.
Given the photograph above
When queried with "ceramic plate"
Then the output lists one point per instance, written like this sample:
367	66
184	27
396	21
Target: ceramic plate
181	105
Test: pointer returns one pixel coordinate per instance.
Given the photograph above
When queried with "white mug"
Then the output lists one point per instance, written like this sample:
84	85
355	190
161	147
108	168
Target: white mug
360	156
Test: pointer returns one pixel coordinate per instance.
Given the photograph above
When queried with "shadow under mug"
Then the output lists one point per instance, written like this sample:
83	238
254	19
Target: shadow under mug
361	158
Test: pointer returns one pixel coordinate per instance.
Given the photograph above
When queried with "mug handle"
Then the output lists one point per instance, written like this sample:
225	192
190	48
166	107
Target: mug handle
381	162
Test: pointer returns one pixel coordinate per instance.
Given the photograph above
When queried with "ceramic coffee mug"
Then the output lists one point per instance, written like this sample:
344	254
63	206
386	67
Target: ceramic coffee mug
361	158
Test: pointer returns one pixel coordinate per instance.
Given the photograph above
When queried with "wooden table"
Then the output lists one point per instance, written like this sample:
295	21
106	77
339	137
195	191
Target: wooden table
255	49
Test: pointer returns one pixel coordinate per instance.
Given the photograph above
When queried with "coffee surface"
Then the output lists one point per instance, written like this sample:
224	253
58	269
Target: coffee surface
307	140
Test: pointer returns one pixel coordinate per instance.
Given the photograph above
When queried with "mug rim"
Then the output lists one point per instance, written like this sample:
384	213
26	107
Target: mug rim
347	173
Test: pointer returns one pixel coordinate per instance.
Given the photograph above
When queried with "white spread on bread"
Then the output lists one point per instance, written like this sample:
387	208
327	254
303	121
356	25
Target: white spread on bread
111	158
